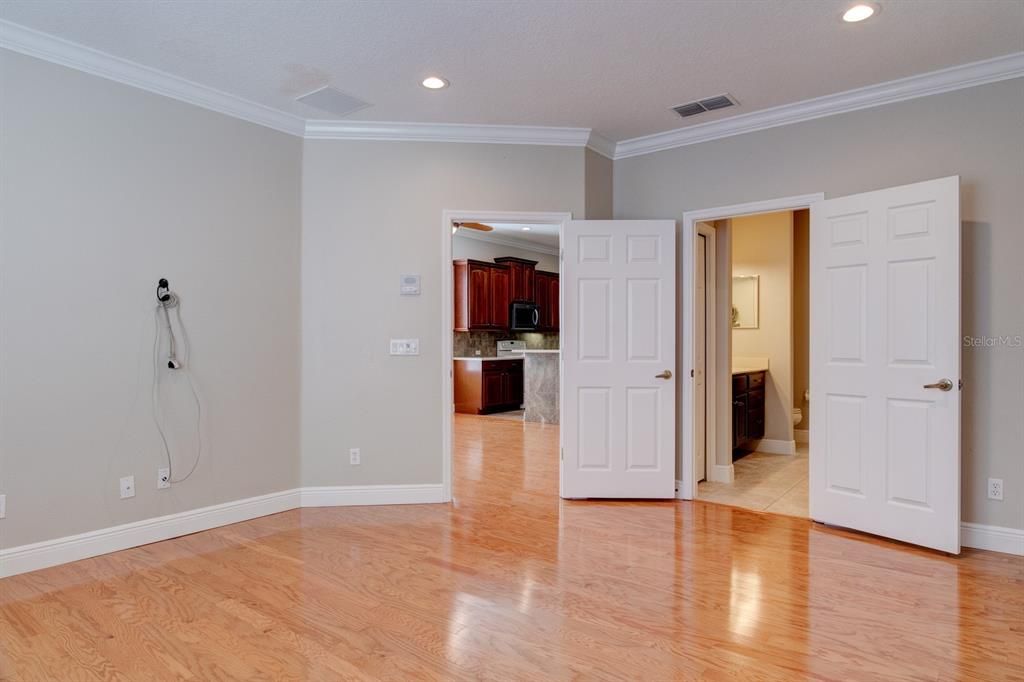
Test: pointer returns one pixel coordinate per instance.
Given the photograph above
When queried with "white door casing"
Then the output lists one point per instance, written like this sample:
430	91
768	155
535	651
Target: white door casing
885	322
618	334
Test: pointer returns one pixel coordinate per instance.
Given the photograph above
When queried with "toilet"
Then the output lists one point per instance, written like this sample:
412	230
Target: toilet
798	415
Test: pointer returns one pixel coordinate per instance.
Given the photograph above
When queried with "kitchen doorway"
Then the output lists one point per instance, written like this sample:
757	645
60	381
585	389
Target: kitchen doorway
501	367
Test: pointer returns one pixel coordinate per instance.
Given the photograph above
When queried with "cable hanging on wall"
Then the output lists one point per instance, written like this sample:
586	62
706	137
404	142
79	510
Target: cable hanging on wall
167	301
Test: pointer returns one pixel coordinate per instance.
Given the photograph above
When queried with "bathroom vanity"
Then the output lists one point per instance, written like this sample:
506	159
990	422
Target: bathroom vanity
747	409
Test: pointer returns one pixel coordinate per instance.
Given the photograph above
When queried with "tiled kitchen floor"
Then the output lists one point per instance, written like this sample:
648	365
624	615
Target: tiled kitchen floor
764	482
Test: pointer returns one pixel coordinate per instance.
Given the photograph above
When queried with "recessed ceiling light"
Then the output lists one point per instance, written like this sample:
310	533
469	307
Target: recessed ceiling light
859	13
435	83
526	228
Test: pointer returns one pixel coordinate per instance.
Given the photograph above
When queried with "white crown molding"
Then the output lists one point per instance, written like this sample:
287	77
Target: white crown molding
50	48
43	46
507	241
922	85
446	132
601	145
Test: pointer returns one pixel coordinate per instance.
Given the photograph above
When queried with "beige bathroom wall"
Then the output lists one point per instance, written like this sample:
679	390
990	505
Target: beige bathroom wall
762	245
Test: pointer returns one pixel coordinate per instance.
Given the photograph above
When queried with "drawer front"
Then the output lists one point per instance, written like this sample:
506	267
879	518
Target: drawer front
493	365
755	380
739	384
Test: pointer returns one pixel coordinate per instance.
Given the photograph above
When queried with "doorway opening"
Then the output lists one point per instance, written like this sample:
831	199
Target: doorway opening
757	320
745	332
501	307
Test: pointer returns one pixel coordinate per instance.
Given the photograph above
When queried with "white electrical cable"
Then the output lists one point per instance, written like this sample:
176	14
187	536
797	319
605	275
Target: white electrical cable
184	369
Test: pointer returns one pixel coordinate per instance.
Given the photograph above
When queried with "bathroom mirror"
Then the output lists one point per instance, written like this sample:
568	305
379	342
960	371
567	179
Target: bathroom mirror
744	302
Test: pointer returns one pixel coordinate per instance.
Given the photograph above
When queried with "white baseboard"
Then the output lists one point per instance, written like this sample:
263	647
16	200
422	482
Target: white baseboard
993	538
48	553
105	540
354	495
776	447
802	435
722	473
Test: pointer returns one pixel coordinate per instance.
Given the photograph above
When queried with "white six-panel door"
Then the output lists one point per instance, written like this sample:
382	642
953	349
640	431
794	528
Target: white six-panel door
618	344
885	337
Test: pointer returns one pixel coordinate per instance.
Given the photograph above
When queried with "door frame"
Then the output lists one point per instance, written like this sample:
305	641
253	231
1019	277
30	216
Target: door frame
688	469
448	216
710	344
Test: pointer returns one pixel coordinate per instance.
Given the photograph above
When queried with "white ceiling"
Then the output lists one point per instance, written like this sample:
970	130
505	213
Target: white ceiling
612	66
513	234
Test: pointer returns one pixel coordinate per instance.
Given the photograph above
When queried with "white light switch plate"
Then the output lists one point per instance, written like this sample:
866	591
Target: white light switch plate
405	346
409	285
3	506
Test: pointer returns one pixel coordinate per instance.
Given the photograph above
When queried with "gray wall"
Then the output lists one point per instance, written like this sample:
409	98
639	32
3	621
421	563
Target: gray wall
371	212
103	189
598	175
467	247
977	133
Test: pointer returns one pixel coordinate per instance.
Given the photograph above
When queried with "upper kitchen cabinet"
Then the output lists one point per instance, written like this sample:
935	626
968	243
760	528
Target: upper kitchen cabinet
521	278
482	293
546	297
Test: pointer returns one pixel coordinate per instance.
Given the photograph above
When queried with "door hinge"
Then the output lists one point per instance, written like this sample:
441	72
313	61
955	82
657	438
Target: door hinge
691	373
960	384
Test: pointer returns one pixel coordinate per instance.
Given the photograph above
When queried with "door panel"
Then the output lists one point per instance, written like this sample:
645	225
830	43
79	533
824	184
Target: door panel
479	296
618	418
885	315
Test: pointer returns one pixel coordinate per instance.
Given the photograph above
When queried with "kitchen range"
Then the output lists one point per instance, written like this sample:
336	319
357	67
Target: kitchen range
506	339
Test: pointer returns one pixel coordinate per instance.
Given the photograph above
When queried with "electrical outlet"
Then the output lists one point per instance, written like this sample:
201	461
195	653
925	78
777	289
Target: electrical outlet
3	506
995	488
127	487
353	456
163	478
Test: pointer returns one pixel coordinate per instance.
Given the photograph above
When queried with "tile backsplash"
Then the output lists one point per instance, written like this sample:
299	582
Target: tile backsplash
466	344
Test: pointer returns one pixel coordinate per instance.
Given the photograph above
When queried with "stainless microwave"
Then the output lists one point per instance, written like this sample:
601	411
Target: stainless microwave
523	317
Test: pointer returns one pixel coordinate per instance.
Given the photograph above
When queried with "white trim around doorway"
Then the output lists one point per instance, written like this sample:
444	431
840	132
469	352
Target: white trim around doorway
447	311
688	482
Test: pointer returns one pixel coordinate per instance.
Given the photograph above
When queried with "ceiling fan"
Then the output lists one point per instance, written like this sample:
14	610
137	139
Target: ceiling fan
472	226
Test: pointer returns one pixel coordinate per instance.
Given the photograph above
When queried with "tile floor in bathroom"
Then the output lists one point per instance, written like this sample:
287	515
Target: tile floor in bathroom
764	482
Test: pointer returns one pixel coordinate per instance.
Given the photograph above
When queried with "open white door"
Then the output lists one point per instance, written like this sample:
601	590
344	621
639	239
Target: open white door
618	343
885	363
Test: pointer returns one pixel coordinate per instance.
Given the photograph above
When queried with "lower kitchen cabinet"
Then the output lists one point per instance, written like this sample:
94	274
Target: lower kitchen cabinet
485	385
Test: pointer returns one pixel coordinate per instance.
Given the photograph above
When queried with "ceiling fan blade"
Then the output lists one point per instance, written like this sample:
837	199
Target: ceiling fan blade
475	226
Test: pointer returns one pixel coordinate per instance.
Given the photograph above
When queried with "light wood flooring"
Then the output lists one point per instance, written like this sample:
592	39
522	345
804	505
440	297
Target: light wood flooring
510	583
764	482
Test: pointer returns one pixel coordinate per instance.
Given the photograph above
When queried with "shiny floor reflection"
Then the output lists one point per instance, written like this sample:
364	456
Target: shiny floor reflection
510	583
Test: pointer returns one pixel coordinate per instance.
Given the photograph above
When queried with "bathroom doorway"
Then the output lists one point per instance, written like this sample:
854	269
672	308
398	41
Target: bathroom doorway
750	357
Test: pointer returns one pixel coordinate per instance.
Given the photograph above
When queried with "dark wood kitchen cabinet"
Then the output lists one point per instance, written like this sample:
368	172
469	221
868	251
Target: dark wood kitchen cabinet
546	290
747	411
483	386
481	295
521	278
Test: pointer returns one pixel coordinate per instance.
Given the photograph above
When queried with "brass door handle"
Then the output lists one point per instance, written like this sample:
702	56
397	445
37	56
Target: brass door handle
943	385
667	374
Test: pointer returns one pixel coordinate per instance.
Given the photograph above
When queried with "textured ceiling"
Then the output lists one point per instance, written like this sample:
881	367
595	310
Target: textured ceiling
615	67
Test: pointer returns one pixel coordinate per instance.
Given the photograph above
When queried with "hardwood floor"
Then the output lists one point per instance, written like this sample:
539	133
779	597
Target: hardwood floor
510	583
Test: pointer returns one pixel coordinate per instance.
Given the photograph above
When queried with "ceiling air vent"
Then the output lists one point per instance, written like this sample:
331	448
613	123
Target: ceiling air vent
708	104
333	101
